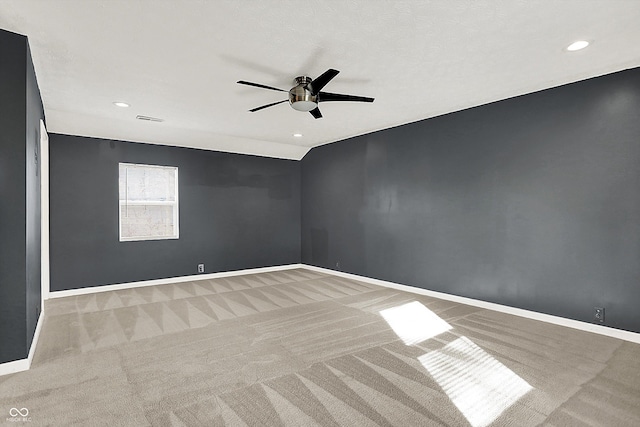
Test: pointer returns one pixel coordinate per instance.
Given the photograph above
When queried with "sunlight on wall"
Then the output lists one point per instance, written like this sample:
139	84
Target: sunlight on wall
414	323
480	386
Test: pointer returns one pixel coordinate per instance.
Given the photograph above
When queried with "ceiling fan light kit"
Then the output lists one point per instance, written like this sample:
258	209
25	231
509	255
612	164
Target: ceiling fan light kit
306	94
300	97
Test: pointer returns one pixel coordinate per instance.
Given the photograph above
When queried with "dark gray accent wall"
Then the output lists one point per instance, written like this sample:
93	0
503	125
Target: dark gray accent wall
236	212
35	112
532	202
20	112
13	344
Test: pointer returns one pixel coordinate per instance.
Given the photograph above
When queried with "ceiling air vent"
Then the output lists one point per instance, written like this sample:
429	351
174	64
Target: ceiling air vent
149	119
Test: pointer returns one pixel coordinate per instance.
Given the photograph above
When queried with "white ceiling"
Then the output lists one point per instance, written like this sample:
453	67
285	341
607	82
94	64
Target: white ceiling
180	60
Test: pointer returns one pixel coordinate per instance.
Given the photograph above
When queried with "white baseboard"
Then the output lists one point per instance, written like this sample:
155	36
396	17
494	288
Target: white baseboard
556	320
170	280
24	364
13	367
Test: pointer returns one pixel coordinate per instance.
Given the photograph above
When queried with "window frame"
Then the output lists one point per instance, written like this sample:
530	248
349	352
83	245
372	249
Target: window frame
176	206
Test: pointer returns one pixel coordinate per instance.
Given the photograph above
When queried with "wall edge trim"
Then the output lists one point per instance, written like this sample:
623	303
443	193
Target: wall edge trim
534	315
36	336
24	364
14	366
168	281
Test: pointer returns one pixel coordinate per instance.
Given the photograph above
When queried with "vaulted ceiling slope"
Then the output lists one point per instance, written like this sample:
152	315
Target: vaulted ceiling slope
179	60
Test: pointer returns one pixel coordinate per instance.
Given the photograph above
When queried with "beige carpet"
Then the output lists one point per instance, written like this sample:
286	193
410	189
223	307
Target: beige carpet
299	348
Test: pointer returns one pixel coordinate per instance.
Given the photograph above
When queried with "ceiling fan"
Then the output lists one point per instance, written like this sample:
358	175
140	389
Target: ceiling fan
306	94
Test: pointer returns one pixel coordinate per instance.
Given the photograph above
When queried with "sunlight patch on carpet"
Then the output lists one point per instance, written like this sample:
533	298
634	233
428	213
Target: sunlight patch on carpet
414	323
481	387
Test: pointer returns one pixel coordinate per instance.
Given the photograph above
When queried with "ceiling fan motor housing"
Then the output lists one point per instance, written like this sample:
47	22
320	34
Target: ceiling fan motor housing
300	97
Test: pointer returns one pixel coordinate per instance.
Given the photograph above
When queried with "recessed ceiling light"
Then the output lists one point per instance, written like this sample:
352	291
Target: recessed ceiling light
121	104
580	44
297	135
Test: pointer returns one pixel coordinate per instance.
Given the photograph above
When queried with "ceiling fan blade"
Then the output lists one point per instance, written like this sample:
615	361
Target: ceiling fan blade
242	82
321	81
268	105
327	96
316	113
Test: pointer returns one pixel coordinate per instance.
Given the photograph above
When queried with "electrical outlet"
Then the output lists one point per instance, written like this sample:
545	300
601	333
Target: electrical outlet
200	268
598	315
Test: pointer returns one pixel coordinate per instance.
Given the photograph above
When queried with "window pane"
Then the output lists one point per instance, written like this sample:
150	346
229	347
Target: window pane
148	202
141	183
139	221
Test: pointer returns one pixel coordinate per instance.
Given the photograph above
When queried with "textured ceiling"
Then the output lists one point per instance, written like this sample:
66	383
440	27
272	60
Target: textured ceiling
179	61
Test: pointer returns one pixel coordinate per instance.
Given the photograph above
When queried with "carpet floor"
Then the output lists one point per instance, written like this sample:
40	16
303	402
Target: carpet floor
301	348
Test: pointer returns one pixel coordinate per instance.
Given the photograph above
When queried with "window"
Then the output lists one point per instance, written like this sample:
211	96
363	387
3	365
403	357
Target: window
148	202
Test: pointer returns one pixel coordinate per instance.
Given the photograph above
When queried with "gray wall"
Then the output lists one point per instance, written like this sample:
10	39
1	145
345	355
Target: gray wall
236	212
20	112
35	112
532	202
